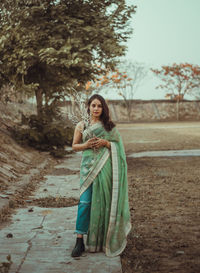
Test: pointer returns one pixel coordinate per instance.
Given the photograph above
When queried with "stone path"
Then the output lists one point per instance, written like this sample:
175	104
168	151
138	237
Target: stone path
40	240
192	152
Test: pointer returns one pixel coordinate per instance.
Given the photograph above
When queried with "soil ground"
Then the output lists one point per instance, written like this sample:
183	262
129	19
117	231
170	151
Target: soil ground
164	194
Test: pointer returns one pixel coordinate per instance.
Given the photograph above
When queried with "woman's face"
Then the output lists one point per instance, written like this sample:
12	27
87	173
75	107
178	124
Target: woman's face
95	108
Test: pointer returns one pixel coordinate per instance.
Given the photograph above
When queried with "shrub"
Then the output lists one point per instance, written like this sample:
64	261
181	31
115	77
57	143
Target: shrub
45	135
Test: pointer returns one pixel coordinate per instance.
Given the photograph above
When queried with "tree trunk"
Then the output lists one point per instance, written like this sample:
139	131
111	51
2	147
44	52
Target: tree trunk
128	109
39	99
177	109
46	100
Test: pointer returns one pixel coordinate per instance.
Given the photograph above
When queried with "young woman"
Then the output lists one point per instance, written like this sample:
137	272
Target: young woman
103	210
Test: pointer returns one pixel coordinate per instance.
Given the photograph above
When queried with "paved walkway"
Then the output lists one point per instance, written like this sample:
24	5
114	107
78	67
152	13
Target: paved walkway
40	240
170	153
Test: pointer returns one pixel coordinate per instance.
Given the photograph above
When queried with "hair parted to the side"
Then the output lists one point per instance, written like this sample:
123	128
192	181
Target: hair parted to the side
105	116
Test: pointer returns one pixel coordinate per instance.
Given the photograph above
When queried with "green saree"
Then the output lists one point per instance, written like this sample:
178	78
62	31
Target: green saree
106	170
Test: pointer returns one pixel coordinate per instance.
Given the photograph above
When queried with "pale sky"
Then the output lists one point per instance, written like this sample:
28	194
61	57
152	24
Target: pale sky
165	31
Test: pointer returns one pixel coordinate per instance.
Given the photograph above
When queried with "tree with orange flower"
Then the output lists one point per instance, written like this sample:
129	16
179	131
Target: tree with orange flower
179	80
95	86
125	79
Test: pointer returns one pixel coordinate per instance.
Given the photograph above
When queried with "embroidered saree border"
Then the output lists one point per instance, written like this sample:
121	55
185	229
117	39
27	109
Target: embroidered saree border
92	127
114	202
94	172
106	249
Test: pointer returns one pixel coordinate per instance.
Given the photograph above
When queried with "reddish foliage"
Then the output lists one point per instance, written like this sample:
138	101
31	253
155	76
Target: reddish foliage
107	77
179	79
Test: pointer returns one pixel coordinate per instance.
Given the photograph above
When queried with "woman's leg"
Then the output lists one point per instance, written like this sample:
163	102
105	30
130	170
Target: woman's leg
83	215
82	222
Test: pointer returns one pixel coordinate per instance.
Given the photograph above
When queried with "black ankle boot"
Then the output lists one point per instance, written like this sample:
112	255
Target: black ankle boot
79	248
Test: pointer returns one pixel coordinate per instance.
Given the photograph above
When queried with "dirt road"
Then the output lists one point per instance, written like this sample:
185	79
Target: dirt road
164	195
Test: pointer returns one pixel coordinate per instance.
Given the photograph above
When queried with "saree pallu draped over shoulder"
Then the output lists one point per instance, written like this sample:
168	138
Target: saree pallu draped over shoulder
106	170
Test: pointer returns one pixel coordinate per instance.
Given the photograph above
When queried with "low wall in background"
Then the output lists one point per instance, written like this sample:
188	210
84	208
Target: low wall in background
150	110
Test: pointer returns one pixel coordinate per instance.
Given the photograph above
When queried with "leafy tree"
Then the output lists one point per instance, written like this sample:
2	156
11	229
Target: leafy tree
8	94
46	45
178	80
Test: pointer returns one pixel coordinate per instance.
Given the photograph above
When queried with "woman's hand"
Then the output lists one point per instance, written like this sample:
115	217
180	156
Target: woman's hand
90	143
99	142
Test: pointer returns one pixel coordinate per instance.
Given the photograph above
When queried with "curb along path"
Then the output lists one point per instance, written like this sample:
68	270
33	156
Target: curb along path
42	238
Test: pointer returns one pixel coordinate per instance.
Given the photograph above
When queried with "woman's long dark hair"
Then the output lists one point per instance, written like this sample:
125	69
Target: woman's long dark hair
105	117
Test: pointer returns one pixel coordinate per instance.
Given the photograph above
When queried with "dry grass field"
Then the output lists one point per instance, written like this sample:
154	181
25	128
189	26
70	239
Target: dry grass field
164	194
